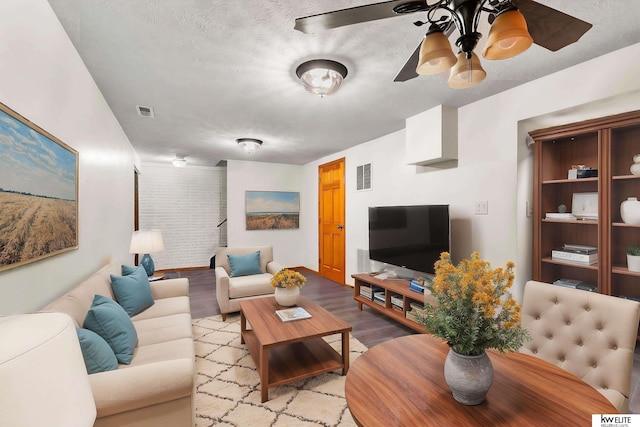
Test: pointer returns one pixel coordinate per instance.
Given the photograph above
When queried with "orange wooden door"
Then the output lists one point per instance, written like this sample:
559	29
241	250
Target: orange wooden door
331	220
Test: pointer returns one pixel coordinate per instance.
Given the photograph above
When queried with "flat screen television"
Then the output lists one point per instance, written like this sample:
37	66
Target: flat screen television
409	236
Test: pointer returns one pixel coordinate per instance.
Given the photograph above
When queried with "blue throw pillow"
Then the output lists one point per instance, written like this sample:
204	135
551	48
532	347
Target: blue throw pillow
244	265
133	291
97	355
107	319
128	269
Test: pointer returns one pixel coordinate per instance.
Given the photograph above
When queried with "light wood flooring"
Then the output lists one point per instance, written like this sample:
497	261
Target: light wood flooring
369	327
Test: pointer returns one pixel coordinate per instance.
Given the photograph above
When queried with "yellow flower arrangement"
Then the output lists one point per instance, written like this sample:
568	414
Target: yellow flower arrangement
288	279
474	310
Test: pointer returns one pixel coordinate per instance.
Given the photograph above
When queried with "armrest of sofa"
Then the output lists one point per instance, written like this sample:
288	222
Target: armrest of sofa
273	267
222	289
127	389
169	288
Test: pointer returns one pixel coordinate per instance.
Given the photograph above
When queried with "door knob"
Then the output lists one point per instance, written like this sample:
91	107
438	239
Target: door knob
340	227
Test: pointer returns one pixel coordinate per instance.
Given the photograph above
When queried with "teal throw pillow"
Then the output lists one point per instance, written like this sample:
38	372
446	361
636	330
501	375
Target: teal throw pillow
107	319
132	291
128	269
244	265
97	355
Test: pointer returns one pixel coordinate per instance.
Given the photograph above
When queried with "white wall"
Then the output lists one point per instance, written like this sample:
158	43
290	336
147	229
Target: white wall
243	176
43	78
186	205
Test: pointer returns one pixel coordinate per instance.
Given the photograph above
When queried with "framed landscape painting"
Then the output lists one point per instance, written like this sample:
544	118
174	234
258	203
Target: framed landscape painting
272	210
38	192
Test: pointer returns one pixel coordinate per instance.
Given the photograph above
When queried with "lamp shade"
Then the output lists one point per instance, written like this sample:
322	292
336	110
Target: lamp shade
146	242
467	72
508	36
436	55
321	76
42	371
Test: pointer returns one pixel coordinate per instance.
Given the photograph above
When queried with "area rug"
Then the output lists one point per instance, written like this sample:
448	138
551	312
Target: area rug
228	385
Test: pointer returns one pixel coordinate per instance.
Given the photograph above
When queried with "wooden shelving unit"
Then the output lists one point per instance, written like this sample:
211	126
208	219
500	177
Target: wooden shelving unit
391	287
607	144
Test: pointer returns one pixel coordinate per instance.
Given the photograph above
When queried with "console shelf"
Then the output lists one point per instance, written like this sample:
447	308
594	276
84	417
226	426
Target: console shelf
396	288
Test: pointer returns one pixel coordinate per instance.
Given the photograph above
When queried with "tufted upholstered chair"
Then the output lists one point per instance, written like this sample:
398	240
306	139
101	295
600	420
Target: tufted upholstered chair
591	335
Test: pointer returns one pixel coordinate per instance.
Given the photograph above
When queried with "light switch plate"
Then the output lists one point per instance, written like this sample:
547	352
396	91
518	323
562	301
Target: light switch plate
482	207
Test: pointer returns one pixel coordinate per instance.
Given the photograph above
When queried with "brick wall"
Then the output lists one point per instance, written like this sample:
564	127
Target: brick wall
186	204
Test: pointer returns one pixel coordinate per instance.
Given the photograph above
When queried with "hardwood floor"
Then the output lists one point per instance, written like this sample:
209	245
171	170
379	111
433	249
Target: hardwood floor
369	327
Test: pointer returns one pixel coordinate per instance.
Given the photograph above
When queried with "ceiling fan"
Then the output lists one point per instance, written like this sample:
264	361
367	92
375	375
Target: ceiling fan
515	25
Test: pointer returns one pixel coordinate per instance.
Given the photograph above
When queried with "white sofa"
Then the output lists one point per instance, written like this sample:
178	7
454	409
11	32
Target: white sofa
158	387
231	290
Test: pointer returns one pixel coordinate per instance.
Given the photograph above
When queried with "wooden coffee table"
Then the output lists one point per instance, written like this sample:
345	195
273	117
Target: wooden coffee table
285	352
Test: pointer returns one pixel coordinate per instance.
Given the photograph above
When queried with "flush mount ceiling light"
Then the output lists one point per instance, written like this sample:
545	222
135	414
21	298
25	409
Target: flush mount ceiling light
179	162
321	76
249	144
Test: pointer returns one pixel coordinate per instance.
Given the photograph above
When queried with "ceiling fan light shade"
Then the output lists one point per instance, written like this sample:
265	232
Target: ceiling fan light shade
508	36
436	55
249	144
321	77
467	72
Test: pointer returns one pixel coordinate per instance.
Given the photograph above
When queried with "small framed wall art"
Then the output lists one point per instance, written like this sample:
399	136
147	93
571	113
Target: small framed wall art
38	192
272	210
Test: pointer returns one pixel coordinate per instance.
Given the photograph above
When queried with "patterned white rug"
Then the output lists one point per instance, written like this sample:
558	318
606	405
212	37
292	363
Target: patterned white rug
228	385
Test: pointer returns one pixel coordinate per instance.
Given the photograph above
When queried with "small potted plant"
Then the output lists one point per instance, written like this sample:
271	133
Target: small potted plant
633	258
287	284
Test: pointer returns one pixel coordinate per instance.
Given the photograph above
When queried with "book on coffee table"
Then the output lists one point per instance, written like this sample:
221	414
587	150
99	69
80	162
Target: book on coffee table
295	313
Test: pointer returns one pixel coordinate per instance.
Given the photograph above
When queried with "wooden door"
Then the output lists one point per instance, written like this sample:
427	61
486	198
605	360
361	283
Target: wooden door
331	220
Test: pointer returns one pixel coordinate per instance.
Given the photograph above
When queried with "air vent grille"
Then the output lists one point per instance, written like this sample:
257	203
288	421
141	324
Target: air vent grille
145	111
363	177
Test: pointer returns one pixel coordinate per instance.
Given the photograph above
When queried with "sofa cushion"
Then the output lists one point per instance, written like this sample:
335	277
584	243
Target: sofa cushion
97	355
165	307
132	291
247	286
244	265
161	329
107	319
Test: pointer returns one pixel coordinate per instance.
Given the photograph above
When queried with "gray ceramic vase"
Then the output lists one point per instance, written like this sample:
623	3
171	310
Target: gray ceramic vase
468	377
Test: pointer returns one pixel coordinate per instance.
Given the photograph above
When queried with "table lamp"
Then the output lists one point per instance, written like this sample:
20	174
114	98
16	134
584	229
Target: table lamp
44	381
145	242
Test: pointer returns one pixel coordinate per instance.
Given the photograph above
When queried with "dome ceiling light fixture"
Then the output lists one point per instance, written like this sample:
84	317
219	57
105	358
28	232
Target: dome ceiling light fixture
249	144
179	162
321	77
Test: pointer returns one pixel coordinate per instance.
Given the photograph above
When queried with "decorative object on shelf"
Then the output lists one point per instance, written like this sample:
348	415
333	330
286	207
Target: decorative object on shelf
562	209
635	167
474	312
321	76
249	144
633	258
585	205
146	242
287	284
630	211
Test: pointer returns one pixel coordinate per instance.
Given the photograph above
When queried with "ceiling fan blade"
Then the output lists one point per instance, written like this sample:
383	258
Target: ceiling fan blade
549	27
408	72
355	15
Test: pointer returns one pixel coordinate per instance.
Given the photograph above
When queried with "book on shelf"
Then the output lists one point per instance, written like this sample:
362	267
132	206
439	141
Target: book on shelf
378	297
396	300
575	284
574	257
414	285
579	249
366	292
294	313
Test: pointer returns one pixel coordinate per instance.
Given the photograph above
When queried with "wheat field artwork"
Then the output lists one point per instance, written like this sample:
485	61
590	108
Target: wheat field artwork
272	210
38	192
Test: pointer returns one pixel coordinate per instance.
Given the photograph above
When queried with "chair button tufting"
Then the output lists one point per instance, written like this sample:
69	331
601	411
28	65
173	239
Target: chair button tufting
615	347
538	317
580	343
534	351
562	359
587	308
594	365
568	322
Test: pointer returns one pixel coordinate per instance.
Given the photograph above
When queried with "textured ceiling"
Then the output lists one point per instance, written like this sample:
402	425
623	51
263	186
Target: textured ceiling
217	70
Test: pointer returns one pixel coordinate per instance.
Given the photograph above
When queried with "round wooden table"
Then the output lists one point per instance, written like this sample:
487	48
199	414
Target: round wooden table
401	383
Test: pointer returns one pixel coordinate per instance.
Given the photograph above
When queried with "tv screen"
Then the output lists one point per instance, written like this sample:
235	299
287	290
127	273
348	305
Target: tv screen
409	236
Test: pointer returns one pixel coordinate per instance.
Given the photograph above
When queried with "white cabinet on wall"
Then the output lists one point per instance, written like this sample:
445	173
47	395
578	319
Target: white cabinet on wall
432	136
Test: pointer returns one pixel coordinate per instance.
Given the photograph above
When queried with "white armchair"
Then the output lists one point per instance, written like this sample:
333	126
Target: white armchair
232	288
591	335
